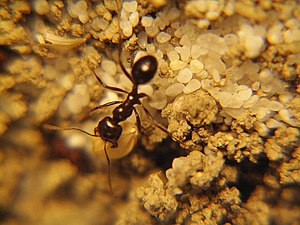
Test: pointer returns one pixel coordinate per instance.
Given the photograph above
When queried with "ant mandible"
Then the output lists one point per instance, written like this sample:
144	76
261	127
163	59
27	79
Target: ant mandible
109	129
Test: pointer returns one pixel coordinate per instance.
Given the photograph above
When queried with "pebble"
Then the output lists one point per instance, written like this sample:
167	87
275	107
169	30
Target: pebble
142	39
274	35
265	76
177	65
147	21
100	24
163	37
192	86
173	55
109	66
152	31
130	6
41	7
184	75
134	19
184	52
272	123
196	66
175	89
126	27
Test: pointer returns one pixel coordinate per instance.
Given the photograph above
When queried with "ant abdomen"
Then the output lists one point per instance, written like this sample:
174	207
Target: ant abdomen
144	69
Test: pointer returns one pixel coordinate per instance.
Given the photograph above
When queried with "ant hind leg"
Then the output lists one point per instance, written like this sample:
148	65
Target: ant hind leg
105	105
138	121
160	126
108	168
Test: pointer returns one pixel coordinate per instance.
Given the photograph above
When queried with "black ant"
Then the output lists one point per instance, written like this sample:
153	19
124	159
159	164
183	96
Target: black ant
109	129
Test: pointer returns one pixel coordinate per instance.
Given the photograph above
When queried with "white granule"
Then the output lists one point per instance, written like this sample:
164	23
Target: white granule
285	116
66	81
252	42
41	7
231	39
229	8
134	19
175	89
163	37
76	140
109	66
126	27
255	86
173	55
83	16
272	123
161	21
212	15
184	52
212	42
227	99
177	65
184	75
77	99
158	101
266	88
215	75
261	128
100	24
274	34
265	76
147	21
196	66
291	35
142	39
285	98
196	51
152	31
203	23
146	89
236	113
251	101
203	74
292	23
130	6
244	92
192	86
185	40
173	14
275	106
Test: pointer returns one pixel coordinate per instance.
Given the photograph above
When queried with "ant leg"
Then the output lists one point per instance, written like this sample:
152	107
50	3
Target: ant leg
105	105
138	121
107	86
124	69
52	127
154	121
108	168
160	126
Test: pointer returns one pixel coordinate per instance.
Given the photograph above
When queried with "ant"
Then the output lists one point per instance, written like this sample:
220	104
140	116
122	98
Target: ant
108	128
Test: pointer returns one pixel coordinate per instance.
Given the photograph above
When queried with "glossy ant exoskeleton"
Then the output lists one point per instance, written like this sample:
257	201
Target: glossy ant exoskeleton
109	129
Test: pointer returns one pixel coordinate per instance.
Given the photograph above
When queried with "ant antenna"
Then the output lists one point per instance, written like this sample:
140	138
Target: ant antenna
52	127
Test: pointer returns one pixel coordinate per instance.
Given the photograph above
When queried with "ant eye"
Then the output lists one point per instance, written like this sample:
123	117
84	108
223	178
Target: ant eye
144	69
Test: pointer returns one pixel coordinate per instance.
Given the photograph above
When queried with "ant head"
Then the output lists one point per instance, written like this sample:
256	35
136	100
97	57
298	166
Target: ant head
144	69
109	131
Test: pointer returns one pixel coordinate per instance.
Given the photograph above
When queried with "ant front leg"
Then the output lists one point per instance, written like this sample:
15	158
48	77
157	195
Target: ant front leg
107	86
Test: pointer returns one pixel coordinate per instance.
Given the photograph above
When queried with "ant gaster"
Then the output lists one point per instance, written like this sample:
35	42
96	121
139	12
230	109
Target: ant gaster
109	129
